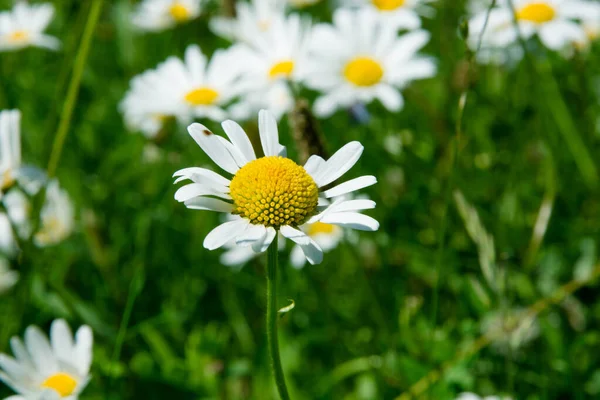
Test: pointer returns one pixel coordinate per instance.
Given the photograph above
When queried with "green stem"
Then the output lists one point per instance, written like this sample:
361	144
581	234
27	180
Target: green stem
272	320
73	90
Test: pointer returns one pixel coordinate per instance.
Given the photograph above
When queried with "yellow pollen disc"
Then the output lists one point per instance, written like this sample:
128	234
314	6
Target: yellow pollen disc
320	228
388	5
179	12
18	36
281	69
363	71
274	191
536	12
61	383
202	96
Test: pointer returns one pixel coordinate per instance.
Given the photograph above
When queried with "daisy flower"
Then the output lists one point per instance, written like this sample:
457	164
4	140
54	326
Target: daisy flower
555	22
188	89
10	147
24	26
401	13
57	217
251	19
158	15
271	58
8	277
361	58
271	194
55	369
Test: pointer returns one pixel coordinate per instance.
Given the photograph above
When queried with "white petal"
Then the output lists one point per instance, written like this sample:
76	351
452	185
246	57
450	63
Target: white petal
237	256
263	245
339	163
239	139
213	147
351	220
297	257
314	164
20	352
351	205
269	136
61	339
192	190
224	233
210	204
295	235
351	186
40	351
84	342
201	175
14	369
253	233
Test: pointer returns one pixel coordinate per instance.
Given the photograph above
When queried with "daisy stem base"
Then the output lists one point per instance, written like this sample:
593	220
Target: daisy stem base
272	337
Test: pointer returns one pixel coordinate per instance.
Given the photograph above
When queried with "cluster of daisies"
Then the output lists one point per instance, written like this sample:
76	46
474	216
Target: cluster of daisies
560	25
368	52
19	184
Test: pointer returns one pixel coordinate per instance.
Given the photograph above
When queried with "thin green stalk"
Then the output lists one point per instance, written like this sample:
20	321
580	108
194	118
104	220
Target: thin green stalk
272	320
73	90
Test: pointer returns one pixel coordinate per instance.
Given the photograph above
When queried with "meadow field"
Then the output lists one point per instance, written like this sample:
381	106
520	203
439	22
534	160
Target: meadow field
459	261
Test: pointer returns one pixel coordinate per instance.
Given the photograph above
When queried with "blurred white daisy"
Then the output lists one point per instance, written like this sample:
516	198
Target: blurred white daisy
158	15
271	194
473	396
14	221
401	13
361	58
10	147
57	217
511	329
188	89
24	26
8	277
555	22
42	369
270	59
251	19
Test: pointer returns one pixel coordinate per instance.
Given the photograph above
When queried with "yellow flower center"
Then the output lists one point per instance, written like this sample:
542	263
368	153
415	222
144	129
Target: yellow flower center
18	36
6	180
319	228
179	12
274	191
388	5
202	96
536	12
363	71
281	69
62	383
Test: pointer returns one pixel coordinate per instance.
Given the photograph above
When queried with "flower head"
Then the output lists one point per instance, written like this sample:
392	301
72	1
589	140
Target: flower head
352	65
271	194
24	26
57	217
186	89
55	369
556	22
251	19
158	15
404	14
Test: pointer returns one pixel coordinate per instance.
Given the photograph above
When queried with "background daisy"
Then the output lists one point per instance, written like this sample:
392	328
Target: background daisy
361	58
24	26
157	15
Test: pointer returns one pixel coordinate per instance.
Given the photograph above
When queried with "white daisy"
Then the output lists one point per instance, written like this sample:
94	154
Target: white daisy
404	14
42	369
271	194
14	220
271	58
251	19
8	277
473	396
188	89
24	26
10	147
158	15
361	58
57	217
556	22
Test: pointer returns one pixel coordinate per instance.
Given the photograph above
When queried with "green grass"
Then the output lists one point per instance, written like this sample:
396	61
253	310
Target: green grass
373	318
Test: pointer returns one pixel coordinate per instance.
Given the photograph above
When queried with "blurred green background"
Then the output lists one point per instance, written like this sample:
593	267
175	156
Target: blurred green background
373	318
